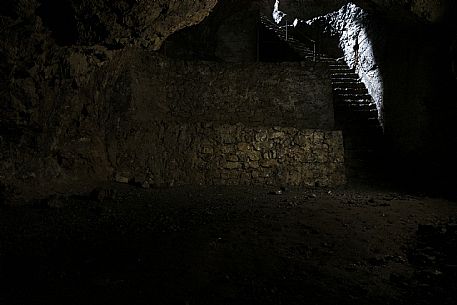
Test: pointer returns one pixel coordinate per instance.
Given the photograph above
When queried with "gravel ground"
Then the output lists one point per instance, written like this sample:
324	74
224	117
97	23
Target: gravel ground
122	244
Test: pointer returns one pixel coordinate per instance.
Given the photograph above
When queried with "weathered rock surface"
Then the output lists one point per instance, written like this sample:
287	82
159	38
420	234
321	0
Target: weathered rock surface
433	11
114	23
55	56
51	132
114	114
409	80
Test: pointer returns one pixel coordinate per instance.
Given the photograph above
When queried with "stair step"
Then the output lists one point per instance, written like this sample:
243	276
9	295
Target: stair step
350	75
348	108
353	101
304	53
341	70
293	40
344	79
305	49
347	82
337	65
354	105
369	113
343	100
359	90
354	96
355	119
348	86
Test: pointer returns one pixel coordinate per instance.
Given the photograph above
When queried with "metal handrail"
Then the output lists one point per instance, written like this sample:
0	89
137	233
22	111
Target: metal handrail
287	33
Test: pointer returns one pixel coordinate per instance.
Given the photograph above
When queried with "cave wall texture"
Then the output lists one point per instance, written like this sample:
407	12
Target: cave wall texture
49	50
407	68
259	94
54	116
433	11
65	90
228	34
355	32
182	122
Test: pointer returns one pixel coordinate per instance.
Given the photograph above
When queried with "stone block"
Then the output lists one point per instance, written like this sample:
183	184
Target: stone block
121	178
318	138
268	163
254	155
302	140
233	165
208	150
252	164
227	149
261	136
232	158
277	135
244	147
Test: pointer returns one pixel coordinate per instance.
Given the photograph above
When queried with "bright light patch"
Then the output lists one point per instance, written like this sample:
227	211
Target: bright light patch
295	22
277	14
354	32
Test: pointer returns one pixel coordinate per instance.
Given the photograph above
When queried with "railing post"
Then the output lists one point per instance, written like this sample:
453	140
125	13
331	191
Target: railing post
287	28
314	51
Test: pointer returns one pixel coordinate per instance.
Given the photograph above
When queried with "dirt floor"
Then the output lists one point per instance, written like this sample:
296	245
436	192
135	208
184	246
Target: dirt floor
234	245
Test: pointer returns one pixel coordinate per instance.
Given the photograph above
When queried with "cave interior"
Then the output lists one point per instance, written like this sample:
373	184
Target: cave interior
228	152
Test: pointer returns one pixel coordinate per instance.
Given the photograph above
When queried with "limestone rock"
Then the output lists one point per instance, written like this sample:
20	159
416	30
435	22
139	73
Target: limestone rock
121	178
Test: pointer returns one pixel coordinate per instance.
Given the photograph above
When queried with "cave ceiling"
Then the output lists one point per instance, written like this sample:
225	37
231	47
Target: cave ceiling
431	11
149	22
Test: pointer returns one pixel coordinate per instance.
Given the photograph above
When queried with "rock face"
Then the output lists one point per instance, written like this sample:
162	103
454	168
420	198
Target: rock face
49	50
114	23
57	57
228	34
179	122
139	115
434	11
407	70
354	29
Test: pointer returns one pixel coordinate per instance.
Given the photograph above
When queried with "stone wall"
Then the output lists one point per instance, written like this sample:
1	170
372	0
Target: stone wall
180	122
257	94
142	116
166	154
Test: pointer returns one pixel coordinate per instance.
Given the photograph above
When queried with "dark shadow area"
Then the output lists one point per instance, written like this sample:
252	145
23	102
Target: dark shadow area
418	99
204	139
228	34
59	17
274	49
419	108
235	245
